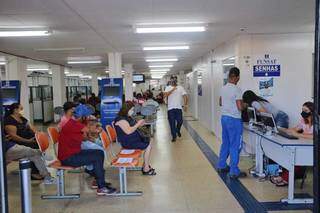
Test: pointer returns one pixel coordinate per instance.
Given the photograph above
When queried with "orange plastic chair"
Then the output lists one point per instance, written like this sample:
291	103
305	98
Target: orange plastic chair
112	133
43	143
54	136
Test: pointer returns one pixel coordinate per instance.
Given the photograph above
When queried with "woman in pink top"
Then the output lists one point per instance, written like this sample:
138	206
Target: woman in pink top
303	130
68	108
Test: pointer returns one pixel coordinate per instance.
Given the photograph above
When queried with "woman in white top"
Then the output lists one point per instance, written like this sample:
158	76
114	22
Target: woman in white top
262	105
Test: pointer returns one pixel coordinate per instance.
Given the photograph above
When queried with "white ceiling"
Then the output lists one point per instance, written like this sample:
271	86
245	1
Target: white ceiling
102	26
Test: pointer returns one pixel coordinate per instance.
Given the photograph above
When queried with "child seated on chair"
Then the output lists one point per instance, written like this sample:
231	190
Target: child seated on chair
93	141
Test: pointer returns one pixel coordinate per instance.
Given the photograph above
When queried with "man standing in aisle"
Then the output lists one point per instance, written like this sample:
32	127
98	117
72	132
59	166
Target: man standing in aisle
175	94
231	107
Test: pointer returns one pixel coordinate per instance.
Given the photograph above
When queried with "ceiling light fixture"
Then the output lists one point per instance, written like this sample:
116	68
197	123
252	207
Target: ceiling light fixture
85	62
75	75
159	70
66	72
227	64
2	63
161	66
37	69
167	48
23	33
160	59
170	29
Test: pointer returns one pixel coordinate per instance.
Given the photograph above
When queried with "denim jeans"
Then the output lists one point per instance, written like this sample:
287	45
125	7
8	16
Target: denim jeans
85	145
282	120
231	143
89	157
175	121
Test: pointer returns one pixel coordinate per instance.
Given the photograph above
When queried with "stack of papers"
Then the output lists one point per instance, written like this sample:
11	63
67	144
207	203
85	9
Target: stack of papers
124	160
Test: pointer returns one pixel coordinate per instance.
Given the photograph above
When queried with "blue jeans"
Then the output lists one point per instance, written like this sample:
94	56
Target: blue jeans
231	143
282	119
85	145
175	121
89	157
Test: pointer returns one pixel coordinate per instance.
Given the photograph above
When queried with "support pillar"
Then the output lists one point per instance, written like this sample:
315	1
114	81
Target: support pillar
128	82
115	65
59	87
94	83
17	70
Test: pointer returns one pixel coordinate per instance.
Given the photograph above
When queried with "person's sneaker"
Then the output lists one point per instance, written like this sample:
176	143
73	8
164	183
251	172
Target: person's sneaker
179	134
240	175
173	140
94	184
106	191
49	180
224	170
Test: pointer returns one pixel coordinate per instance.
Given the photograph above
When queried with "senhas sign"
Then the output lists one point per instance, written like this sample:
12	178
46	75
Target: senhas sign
266	67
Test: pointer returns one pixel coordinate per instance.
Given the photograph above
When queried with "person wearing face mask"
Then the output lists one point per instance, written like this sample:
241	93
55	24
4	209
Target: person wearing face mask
304	129
21	132
70	153
175	96
129	136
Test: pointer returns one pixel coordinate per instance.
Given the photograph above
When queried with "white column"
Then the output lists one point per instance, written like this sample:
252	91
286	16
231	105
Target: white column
17	70
59	86
94	83
128	81
182	78
115	65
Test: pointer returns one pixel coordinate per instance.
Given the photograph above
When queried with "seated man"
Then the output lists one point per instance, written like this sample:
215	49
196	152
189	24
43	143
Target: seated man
70	153
150	101
16	152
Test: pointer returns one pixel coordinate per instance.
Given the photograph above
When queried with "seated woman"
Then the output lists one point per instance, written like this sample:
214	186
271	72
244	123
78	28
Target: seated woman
262	105
21	132
304	129
70	153
130	138
16	152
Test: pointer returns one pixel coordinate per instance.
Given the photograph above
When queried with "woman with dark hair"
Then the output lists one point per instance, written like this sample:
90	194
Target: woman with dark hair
22	143
304	129
262	105
129	136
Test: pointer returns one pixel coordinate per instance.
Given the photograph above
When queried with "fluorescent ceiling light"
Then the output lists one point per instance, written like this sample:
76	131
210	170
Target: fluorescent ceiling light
74	75
86	76
159	70
161	59
85	62
37	69
170	29
171	23
161	66
66	72
22	33
2	63
227	64
167	48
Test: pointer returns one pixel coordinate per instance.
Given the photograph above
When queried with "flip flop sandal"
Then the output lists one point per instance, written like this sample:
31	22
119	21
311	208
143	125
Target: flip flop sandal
282	184
151	172
274	181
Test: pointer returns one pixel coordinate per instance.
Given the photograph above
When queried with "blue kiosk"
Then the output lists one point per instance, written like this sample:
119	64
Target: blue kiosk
10	92
111	99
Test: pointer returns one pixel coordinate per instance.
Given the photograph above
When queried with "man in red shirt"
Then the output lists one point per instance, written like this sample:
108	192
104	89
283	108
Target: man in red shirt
70	154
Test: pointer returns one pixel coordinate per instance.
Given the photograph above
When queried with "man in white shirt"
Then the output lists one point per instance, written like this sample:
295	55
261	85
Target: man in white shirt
231	107
175	94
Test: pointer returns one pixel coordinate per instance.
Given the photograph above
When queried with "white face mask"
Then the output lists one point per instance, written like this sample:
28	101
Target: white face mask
131	112
21	112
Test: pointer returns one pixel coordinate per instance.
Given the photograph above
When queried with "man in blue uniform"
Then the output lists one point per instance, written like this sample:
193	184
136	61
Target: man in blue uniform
231	106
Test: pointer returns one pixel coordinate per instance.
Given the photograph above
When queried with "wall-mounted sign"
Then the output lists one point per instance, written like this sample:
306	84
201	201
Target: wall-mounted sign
266	87
266	67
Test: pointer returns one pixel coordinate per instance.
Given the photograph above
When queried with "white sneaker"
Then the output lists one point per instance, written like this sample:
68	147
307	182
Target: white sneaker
49	180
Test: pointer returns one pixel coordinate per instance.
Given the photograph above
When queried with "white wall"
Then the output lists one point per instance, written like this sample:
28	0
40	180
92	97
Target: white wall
291	89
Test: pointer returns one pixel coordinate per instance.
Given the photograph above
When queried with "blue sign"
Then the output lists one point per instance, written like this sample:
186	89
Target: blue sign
10	92
111	99
266	67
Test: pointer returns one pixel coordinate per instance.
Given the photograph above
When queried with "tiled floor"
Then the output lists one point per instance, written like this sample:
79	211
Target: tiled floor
186	182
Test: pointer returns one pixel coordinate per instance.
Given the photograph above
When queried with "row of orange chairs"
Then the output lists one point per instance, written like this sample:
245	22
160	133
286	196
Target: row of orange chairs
123	160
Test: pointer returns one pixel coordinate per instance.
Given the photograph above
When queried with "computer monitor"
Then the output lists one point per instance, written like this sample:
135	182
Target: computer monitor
252	114
112	91
268	120
138	78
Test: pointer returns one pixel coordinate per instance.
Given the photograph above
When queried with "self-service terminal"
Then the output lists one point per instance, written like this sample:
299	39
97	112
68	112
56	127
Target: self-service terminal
10	92
111	99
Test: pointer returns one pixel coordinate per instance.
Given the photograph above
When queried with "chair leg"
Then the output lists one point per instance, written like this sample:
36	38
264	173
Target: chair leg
123	184
60	189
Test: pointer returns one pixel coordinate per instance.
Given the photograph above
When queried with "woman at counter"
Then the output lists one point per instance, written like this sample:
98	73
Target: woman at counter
262	105
303	130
